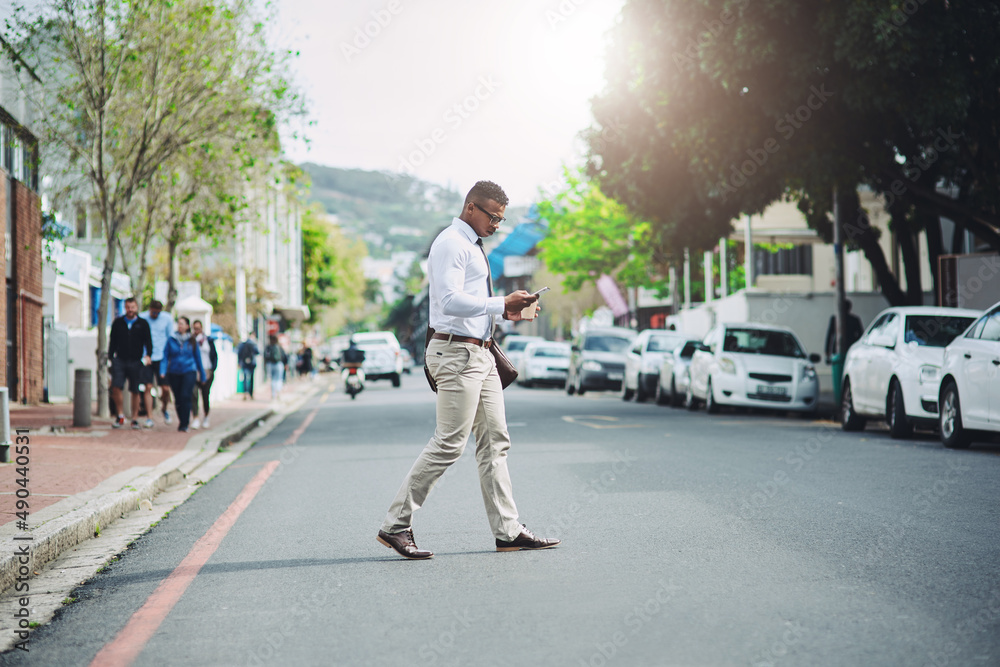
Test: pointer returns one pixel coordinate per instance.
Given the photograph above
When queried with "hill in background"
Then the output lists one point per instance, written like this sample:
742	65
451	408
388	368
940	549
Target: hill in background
391	212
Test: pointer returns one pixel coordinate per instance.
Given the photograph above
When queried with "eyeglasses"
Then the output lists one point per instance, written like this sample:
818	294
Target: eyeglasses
494	219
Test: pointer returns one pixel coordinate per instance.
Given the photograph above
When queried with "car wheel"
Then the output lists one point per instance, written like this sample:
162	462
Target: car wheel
676	400
849	419
626	393
711	407
395	379
660	396
690	402
895	412
953	434
640	393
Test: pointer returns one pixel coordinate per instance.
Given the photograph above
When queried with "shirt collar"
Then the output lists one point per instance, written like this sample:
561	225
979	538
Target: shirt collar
465	228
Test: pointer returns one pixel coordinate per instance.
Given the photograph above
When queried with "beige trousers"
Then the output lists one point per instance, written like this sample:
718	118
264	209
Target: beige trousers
469	399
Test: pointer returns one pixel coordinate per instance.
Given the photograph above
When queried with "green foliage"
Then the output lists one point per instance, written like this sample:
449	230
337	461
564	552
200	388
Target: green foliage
591	234
716	108
331	264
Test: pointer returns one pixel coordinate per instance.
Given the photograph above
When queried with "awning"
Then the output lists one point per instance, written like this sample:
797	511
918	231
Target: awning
521	240
294	314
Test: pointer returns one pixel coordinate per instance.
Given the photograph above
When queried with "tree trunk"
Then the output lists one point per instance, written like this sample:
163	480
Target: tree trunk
932	228
103	387
858	230
171	274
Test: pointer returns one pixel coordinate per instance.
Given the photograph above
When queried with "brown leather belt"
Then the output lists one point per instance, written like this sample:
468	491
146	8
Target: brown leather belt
453	338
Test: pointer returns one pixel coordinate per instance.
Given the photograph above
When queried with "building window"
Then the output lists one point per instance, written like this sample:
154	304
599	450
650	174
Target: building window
81	221
796	260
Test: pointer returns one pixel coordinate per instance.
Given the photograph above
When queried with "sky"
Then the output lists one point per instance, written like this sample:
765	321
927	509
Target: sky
450	91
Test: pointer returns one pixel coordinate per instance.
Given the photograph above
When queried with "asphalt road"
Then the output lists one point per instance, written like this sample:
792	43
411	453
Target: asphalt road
737	539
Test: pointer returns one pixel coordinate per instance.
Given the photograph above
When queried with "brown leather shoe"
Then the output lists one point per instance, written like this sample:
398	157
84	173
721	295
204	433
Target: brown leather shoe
403	543
527	540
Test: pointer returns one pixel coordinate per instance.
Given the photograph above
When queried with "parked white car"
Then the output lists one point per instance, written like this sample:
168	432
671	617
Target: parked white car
673	381
753	365
383	360
969	398
513	346
643	360
544	362
894	371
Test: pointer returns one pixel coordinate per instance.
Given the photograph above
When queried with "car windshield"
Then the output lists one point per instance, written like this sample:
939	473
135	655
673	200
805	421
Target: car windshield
934	330
606	343
663	344
689	348
762	341
550	352
515	345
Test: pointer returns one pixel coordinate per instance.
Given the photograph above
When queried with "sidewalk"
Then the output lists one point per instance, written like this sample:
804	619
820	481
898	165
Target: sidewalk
82	478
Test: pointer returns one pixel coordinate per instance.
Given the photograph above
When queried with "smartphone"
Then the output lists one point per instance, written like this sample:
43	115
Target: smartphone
544	289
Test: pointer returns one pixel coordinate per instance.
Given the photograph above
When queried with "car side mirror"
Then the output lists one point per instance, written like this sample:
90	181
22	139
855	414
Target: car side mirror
814	358
704	348
575	348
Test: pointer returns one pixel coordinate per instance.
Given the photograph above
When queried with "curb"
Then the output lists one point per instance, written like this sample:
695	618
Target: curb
78	518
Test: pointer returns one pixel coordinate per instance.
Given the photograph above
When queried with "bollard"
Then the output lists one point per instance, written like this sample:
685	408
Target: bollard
81	397
5	426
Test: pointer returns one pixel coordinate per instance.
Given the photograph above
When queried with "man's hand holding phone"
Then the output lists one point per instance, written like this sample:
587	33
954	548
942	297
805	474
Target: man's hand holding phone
531	311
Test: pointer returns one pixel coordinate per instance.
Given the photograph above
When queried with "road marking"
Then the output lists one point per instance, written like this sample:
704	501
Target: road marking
128	644
322	399
582	421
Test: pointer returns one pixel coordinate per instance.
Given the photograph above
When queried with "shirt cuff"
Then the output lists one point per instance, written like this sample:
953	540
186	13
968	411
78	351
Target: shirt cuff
495	305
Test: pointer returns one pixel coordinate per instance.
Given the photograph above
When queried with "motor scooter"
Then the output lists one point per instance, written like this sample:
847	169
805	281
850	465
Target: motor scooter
354	378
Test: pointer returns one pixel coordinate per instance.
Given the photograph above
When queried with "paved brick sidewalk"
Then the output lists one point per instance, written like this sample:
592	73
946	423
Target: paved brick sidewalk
65	460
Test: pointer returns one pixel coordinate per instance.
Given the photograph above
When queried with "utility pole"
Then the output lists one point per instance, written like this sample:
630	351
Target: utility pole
838	255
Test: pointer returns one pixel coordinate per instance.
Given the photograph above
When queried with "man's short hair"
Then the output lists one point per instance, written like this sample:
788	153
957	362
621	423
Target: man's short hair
132	299
848	304
484	190
155	305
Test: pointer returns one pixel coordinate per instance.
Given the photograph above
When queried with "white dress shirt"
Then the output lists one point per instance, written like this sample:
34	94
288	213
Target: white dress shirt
458	273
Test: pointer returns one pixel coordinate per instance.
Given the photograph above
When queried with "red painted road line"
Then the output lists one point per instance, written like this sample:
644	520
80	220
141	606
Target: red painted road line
127	646
295	434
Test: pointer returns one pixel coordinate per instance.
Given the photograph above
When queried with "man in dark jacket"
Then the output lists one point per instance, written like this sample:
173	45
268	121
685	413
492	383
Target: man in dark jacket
247	353
855	330
129	349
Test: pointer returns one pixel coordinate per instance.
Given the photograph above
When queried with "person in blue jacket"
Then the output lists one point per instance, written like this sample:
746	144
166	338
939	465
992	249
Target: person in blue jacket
182	366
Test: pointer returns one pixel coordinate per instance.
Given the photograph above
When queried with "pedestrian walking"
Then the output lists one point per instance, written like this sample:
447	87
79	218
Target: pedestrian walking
469	392
129	348
275	360
855	330
247	353
209	361
161	326
181	365
306	365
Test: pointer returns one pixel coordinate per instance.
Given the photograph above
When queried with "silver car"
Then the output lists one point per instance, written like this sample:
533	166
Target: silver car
643	360
672	385
544	362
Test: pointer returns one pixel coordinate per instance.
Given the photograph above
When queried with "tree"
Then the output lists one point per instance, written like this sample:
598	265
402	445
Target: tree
716	108
591	235
331	264
134	84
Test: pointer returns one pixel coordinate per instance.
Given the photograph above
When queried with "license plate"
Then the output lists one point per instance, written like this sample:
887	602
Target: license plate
614	376
774	391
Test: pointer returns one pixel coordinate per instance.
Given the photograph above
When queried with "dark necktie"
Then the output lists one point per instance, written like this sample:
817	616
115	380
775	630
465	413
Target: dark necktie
489	281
